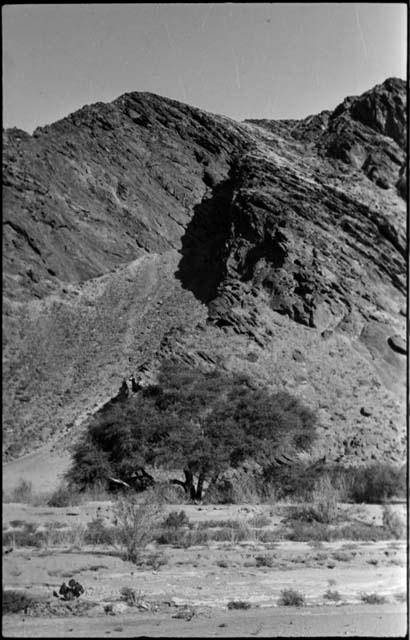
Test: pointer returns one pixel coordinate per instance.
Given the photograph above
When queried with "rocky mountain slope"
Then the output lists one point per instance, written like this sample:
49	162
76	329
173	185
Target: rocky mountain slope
146	229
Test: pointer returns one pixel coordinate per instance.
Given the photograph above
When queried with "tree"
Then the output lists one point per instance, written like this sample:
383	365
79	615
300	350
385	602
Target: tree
200	422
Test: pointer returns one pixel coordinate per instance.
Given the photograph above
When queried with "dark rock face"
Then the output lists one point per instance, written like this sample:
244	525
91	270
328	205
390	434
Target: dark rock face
146	229
398	344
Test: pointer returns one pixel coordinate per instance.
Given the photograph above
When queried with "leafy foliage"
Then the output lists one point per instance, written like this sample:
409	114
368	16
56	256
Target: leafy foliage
378	482
200	422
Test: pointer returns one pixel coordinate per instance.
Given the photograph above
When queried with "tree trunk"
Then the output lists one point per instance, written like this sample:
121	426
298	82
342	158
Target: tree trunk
189	484
199	486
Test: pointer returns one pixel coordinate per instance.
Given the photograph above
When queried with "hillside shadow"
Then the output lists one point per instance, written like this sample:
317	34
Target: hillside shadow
204	244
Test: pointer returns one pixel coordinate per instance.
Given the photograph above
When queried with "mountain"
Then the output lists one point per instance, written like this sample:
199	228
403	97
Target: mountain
147	229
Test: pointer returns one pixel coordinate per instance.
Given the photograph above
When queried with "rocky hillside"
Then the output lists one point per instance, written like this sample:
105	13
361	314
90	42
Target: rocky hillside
146	229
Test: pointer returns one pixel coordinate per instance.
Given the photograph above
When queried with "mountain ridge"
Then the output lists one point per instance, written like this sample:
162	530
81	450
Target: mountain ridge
145	228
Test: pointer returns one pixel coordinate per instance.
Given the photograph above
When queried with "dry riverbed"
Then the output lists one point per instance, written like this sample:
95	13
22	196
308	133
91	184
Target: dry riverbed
222	588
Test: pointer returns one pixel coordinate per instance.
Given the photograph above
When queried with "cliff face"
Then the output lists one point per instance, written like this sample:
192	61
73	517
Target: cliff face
146	229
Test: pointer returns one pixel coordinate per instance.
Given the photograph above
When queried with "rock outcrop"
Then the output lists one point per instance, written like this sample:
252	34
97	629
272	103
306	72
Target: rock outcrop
147	229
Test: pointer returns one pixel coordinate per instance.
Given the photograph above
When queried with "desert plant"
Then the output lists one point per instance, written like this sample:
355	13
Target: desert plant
25	537
264	560
342	556
258	521
136	524
64	496
176	520
377	482
131	597
16	601
155	560
98	533
372	598
238	604
291	598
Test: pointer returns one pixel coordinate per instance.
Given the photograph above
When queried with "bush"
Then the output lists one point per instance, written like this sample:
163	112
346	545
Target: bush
172	528
136	525
25	537
377	483
16	601
98	533
130	596
176	520
155	560
291	598
259	521
372	598
334	596
64	497
264	561
238	604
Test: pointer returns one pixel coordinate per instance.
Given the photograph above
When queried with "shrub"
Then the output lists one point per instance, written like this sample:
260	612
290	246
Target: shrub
238	604
342	556
291	598
372	598
377	482
131	597
334	596
63	497
192	538
172	528
325	500
155	560
136	524
16	601
259	521
98	533
176	520
264	560
27	537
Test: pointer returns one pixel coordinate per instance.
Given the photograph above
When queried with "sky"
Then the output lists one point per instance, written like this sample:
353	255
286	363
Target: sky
242	60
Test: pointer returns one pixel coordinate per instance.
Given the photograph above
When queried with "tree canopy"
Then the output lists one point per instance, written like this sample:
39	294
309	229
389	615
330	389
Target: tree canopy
200	422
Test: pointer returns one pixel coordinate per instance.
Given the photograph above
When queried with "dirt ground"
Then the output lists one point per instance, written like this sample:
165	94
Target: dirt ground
188	595
385	621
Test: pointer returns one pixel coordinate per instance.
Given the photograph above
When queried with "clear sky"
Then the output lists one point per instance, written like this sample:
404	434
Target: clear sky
243	60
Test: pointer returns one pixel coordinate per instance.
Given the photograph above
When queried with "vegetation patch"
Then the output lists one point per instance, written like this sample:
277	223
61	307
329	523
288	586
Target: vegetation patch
202	423
16	601
372	598
291	598
238	604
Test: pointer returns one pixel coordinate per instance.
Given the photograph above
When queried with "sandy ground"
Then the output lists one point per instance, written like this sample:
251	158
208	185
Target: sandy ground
385	621
205	578
44	468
